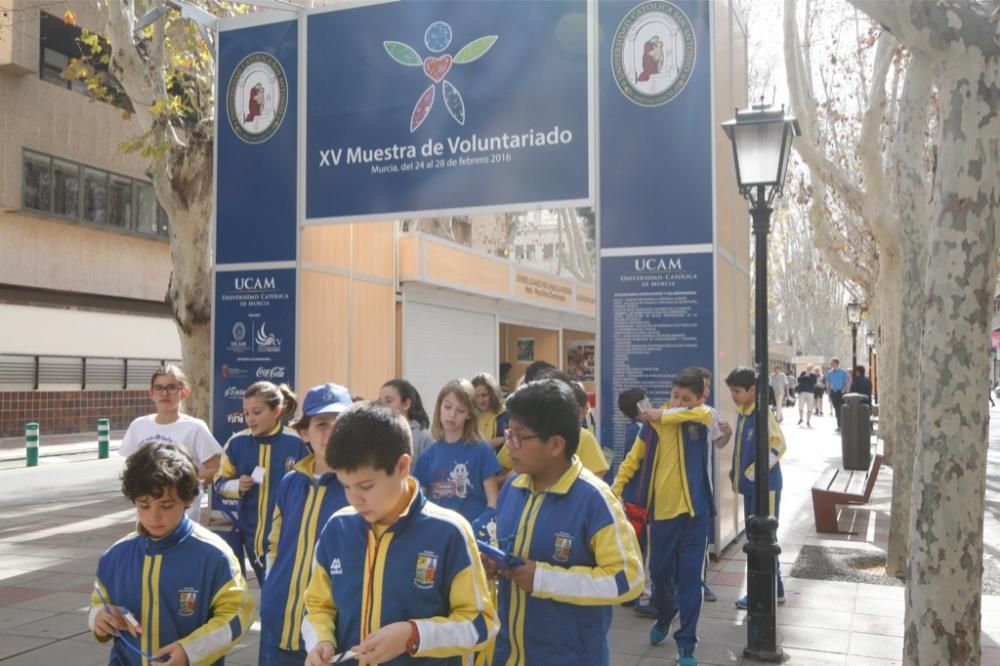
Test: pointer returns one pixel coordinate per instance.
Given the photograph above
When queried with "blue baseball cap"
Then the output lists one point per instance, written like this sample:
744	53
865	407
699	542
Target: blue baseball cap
326	399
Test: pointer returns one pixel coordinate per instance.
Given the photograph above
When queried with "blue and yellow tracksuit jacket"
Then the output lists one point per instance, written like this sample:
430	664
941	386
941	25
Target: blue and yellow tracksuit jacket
425	567
185	587
672	480
277	452
493	424
302	507
744	453
586	560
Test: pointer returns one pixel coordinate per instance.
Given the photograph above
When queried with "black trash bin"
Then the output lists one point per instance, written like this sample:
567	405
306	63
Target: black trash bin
856	432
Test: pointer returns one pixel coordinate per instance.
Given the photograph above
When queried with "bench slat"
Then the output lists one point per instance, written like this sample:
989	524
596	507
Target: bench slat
856	484
827	479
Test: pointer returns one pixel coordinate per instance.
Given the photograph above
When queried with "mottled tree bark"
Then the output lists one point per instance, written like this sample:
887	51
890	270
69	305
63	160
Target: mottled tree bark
910	191
944	583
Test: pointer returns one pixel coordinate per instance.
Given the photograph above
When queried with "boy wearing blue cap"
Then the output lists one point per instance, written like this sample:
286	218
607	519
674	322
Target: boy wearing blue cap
307	496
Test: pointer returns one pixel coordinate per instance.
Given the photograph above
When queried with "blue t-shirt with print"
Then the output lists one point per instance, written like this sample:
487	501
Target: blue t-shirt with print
452	475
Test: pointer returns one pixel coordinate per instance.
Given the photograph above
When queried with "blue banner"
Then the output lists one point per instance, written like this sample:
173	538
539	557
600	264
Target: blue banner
257	142
656	197
444	104
254	339
660	319
656	123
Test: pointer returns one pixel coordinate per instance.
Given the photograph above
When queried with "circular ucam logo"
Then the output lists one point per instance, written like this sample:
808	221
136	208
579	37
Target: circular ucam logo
239	331
257	97
653	53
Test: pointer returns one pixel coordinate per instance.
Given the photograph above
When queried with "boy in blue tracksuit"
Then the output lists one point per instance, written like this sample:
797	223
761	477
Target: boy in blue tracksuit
255	460
580	555
307	497
672	459
396	579
171	590
628	405
742	387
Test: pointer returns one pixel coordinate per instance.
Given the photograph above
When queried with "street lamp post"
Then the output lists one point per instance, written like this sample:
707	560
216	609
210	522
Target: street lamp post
762	139
854	318
870	340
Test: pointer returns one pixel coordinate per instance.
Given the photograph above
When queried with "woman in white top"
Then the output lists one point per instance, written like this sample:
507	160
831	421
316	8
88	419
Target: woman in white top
169	388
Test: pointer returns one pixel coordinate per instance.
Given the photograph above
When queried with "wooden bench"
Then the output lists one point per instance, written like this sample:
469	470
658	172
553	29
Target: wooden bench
837	486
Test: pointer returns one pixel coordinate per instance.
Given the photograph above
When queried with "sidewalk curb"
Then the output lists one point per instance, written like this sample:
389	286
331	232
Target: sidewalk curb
56	450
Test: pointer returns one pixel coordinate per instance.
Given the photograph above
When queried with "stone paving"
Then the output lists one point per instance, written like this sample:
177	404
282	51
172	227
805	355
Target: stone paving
56	520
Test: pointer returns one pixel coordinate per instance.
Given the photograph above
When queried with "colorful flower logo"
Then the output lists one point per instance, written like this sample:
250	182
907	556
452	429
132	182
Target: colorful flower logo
437	38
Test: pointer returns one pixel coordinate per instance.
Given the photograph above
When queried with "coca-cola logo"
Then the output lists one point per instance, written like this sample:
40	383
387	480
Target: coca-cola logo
234	392
274	372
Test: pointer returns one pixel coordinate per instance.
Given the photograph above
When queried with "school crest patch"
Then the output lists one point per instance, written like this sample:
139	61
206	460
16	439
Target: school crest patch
427	563
289	463
563	547
187	600
693	431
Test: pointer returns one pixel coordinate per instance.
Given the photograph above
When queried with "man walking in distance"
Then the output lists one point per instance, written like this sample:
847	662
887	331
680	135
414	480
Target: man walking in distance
779	386
837	382
804	389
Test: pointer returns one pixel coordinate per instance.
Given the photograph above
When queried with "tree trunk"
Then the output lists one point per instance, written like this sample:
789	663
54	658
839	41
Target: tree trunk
906	332
944	586
888	286
184	187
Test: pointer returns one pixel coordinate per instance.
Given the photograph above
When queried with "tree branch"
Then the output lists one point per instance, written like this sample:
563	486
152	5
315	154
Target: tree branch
804	107
870	147
931	27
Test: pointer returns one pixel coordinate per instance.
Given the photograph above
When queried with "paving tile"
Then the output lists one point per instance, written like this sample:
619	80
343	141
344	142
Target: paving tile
61	652
810	638
13	617
872	645
59	626
877	624
15	645
730	578
884	607
634	643
60	602
890	592
56	581
856	660
815	617
802	657
10	595
795	599
624	660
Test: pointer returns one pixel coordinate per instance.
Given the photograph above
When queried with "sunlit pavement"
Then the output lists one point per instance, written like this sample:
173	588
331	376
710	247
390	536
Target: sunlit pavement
57	519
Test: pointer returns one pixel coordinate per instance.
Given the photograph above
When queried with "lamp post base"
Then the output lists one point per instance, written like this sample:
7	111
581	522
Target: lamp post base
762	566
775	657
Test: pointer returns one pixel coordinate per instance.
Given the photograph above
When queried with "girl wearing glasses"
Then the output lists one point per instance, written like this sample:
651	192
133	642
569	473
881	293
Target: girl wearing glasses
168	389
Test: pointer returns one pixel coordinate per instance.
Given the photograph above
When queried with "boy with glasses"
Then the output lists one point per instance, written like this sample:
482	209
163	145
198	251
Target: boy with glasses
579	554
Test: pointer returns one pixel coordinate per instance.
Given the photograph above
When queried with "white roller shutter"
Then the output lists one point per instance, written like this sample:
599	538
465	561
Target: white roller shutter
442	343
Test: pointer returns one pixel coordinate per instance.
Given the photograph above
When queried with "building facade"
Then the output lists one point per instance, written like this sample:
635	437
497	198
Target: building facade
84	251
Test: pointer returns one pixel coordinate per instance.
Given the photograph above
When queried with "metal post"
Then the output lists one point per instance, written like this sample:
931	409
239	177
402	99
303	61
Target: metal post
31	444
103	432
854	354
875	377
762	545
